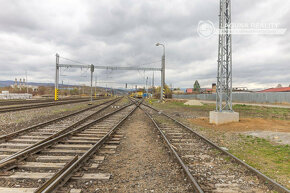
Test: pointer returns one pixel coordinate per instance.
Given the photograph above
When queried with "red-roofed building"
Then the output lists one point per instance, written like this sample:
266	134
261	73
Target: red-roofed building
208	90
282	89
189	90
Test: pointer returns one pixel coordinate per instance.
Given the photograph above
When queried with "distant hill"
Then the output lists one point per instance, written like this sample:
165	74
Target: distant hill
5	83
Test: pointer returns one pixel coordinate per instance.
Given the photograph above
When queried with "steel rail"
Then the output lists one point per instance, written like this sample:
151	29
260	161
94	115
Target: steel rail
66	175
9	102
27	105
65	129
36	148
23	102
196	186
269	182
6	137
56	175
47	104
136	101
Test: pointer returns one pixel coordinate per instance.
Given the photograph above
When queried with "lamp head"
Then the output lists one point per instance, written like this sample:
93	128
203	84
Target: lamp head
157	44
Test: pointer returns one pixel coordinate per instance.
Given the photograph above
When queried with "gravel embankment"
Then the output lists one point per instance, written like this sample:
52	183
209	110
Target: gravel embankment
142	162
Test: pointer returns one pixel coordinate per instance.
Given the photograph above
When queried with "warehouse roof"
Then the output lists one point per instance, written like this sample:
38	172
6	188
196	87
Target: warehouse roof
282	89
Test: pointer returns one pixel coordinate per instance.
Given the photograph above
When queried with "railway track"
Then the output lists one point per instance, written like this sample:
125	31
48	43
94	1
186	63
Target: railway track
71	120
47	166
49	159
30	101
208	167
40	105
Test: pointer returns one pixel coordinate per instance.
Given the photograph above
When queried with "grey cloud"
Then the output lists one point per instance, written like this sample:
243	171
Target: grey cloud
124	33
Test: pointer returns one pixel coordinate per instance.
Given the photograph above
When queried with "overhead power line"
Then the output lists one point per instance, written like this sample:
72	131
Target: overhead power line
72	60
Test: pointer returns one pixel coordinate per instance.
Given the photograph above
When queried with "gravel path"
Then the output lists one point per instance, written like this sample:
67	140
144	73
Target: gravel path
142	162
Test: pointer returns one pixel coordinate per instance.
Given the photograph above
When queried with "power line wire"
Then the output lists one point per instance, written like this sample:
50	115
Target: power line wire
72	60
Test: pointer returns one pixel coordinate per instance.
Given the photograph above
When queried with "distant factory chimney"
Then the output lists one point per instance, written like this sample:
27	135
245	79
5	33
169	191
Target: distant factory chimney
15	83
24	82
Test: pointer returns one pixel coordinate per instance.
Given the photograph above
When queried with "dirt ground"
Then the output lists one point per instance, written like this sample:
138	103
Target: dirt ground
277	131
246	124
142	162
277	137
197	102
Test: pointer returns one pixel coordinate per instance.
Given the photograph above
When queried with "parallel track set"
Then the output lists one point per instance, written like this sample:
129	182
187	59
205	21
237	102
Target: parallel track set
31	101
209	167
55	154
51	156
41	105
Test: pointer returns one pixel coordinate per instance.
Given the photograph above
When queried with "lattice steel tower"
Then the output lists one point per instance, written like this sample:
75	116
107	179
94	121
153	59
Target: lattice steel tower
224	72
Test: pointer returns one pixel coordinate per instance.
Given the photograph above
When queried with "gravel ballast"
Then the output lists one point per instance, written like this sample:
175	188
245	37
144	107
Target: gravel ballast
142	162
14	121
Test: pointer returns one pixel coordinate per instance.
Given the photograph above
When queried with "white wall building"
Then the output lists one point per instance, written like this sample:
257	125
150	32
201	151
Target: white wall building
7	95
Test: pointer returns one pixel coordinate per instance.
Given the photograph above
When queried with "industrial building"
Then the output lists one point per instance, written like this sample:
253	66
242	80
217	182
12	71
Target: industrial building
282	89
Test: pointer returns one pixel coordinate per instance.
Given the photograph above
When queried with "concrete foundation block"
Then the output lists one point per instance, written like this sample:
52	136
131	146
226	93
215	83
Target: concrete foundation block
223	117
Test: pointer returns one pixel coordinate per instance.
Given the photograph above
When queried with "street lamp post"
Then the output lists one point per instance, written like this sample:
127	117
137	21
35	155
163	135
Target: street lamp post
96	86
162	72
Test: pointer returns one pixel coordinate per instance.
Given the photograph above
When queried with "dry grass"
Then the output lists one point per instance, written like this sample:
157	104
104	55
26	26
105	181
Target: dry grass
246	124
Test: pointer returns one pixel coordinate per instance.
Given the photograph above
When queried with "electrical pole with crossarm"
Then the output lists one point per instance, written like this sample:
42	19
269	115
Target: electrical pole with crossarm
224	111
93	67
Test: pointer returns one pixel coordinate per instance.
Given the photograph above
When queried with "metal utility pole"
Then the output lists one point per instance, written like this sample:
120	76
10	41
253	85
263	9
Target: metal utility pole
56	77
153	80
26	82
95	86
146	86
224	71
162	69
92	72
153	88
162	73
58	65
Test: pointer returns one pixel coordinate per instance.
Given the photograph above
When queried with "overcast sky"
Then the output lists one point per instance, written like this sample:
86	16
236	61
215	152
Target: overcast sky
124	33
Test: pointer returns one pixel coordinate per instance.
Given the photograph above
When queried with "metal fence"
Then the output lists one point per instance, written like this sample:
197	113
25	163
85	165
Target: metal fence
267	97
